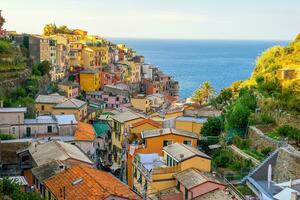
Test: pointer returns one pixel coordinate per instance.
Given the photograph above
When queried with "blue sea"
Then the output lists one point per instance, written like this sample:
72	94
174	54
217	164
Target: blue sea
192	62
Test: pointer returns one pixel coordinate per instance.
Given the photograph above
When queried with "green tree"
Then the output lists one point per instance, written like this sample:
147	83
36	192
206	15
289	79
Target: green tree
203	93
212	127
11	190
44	67
237	116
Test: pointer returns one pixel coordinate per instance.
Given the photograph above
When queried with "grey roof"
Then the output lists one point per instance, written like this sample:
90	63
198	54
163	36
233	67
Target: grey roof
69	83
151	160
181	152
285	166
71	103
48	170
13	110
88	71
166	131
43	153
52	98
200	120
40	120
65	119
191	177
126	116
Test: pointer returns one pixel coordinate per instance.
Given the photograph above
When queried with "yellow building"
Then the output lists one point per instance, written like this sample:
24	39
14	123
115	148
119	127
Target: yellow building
44	104
152	173
141	103
88	58
71	106
191	124
70	88
89	80
104	54
56	104
135	72
121	126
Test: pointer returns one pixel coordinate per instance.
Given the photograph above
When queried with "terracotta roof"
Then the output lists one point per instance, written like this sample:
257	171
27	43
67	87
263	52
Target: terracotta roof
84	131
146	121
86	183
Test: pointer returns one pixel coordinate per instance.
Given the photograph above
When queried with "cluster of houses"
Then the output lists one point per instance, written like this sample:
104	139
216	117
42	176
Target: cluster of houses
126	137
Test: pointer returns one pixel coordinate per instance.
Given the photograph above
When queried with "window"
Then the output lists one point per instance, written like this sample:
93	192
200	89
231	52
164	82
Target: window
13	130
145	186
187	142
49	129
43	107
134	172
178	186
140	179
167	142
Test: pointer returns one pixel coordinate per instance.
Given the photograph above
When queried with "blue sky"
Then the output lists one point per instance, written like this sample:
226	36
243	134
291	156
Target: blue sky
188	19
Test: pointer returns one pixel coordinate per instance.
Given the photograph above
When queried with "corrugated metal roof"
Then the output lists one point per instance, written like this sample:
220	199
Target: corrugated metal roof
182	152
166	131
40	120
13	110
65	119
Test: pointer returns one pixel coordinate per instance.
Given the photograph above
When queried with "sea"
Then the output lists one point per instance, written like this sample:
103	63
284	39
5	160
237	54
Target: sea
192	62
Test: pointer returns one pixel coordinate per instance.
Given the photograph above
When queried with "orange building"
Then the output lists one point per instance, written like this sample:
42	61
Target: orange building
143	125
154	141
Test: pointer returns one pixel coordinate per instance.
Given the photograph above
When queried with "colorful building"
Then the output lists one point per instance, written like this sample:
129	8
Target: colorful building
191	124
85	139
70	88
89	80
153	173
154	141
88	58
141	103
71	106
144	125
107	78
121	125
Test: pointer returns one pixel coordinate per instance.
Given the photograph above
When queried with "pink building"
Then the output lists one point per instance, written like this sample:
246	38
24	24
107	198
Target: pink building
202	183
111	101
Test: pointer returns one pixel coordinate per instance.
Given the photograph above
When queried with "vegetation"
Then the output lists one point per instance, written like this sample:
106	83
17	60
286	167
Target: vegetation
203	94
212	127
6	136
224	158
286	132
52	29
223	99
11	190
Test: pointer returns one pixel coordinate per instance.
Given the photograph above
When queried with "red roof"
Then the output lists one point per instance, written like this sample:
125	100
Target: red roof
85	183
147	121
84	131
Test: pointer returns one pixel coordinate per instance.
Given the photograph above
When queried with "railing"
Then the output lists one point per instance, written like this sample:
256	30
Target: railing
166	170
141	167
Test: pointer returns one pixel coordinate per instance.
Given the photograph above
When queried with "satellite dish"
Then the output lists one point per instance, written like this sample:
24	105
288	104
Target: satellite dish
269	175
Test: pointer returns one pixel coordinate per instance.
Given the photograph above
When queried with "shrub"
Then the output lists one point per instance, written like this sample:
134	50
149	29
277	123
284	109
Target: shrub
266	151
212	127
6	137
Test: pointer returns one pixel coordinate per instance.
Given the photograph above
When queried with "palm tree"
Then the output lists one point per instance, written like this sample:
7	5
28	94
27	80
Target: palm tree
203	93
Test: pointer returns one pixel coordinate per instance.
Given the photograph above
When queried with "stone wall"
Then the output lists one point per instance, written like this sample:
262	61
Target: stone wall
259	140
19	80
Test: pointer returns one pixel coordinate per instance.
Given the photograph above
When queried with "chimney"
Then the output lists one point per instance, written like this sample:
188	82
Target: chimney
294	196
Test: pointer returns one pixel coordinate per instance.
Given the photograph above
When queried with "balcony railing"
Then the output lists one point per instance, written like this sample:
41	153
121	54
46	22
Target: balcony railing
158	170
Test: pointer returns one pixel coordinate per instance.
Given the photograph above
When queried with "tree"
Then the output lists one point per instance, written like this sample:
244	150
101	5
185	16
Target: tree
44	67
222	99
212	127
52	29
11	190
203	93
237	116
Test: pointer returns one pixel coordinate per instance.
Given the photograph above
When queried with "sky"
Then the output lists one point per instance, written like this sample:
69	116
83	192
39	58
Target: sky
172	19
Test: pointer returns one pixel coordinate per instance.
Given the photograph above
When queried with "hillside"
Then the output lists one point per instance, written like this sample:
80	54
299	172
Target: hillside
278	63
